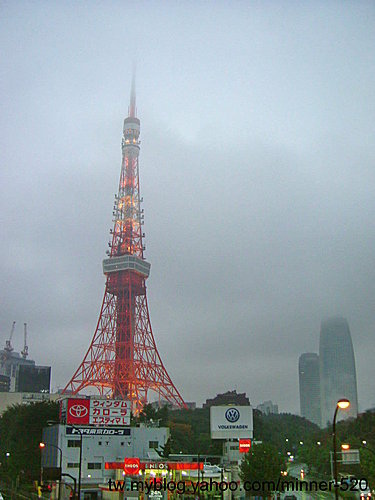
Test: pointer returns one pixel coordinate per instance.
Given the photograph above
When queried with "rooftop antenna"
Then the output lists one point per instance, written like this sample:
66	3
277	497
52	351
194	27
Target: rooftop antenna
132	106
25	351
8	343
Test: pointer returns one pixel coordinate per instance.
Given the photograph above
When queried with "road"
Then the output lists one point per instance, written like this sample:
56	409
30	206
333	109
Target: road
294	472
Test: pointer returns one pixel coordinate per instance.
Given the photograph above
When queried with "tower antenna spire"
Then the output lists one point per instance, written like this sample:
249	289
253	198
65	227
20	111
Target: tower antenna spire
132	107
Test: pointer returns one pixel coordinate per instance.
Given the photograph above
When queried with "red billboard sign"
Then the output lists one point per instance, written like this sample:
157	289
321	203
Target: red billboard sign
154	465
244	445
131	466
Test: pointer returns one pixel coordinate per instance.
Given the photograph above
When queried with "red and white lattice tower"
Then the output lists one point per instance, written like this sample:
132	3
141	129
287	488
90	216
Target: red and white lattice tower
122	360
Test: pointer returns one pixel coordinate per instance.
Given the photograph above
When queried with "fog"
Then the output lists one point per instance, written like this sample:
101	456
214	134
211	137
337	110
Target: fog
256	168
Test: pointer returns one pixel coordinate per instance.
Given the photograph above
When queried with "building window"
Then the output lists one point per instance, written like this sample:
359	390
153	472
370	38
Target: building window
153	444
72	465
99	443
74	443
94	465
122	443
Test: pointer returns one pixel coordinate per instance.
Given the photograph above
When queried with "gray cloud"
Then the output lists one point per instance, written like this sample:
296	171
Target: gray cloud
257	173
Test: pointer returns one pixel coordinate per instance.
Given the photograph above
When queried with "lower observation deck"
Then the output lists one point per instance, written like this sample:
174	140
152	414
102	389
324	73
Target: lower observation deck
126	263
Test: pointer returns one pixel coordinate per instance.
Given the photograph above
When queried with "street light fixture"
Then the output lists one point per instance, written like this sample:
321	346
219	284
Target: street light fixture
341	404
345	446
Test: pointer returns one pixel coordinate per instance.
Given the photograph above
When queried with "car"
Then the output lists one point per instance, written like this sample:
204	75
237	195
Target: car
366	494
211	469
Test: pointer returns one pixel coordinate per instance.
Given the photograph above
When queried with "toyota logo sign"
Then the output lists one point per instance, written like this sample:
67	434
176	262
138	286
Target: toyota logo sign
78	411
232	415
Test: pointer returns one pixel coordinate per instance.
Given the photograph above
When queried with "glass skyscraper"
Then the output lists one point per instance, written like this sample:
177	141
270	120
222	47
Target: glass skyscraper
337	369
309	387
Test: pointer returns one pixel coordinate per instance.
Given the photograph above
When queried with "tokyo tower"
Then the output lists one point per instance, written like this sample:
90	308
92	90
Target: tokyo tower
122	361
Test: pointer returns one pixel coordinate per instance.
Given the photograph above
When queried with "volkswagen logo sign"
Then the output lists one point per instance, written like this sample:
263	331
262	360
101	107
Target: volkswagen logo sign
78	411
232	415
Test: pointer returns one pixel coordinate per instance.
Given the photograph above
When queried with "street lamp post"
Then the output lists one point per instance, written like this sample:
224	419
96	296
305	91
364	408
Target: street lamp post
52	422
341	404
42	446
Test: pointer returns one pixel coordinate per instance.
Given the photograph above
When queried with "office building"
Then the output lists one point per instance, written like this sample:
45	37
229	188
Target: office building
4	383
268	408
228	398
337	369
23	374
100	445
309	387
33	378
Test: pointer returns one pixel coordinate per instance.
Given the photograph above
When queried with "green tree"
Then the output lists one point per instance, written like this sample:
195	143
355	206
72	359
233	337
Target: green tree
277	428
21	432
315	452
368	466
262	468
166	450
273	429
351	431
148	413
182	437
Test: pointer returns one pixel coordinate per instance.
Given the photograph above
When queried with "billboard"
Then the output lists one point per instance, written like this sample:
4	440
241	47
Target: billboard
95	411
231	422
97	431
131	466
244	445
350	457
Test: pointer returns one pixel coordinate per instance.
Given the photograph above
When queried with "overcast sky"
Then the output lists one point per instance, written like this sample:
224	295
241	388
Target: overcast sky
257	171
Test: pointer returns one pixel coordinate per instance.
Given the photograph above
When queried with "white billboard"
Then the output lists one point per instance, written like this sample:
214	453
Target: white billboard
231	422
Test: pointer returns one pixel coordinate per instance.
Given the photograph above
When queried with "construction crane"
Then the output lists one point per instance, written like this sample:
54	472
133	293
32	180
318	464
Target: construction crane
8	343
25	351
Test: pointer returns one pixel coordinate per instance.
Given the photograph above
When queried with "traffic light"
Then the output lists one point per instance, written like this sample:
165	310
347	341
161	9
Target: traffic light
46	487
